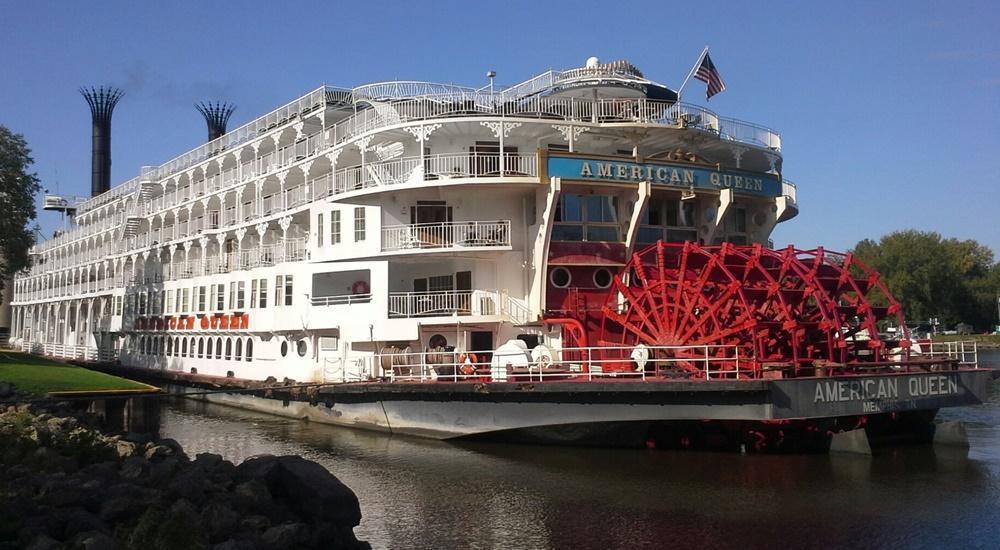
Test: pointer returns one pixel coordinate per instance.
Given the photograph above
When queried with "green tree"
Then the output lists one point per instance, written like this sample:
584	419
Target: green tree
18	187
931	276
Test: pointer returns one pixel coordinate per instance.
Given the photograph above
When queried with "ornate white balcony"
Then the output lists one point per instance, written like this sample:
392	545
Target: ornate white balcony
446	235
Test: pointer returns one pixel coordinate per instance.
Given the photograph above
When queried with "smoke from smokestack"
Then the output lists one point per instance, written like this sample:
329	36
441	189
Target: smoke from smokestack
216	116
102	101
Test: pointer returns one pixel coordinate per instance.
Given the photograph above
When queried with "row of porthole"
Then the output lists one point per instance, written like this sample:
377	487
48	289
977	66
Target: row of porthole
560	277
300	347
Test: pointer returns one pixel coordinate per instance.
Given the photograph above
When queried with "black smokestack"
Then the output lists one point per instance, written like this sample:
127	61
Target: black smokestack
216	116
102	101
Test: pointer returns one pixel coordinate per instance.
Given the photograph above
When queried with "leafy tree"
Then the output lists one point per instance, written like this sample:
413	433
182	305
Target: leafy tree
950	279
18	188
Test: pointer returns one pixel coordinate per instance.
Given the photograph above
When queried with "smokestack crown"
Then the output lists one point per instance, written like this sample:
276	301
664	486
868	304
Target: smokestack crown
216	116
102	101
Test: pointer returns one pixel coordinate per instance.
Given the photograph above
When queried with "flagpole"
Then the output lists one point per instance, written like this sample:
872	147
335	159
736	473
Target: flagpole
690	74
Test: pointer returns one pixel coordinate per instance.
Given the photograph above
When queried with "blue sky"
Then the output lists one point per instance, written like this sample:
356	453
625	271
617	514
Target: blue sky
889	111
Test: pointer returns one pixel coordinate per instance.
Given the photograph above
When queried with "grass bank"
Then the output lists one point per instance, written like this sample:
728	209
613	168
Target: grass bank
35	374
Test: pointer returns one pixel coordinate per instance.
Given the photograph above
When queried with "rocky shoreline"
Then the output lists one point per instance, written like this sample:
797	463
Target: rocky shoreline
65	484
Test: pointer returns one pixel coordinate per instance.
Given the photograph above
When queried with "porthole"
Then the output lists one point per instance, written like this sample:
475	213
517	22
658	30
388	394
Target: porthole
602	278
301	348
284	348
560	277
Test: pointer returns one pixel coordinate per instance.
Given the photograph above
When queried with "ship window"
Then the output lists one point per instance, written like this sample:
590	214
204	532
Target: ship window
229	349
736	226
301	348
319	229
184	348
359	224
191	349
288	290
220	297
202	295
440	283
669	220
284	348
278	287
238	354
586	218
602	278
263	293
240	295
218	348
232	294
170	347
249	356
201	347
335	227
560	277
253	293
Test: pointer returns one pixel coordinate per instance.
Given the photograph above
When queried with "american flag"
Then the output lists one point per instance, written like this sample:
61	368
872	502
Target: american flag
708	74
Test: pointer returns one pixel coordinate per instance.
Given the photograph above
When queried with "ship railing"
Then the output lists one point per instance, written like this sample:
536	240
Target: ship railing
965	351
789	190
583	363
341	299
434	167
446	235
457	302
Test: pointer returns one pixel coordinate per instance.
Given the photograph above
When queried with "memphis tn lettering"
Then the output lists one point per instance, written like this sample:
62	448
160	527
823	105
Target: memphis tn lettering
661	174
836	391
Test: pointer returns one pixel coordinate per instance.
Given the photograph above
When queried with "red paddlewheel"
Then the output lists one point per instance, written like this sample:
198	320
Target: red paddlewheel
783	309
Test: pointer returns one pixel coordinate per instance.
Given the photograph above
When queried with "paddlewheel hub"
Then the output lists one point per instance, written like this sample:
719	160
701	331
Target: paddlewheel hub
752	311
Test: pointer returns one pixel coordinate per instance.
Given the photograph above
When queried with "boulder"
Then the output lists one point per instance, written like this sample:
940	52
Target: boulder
286	535
135	467
44	542
94	540
6	389
220	520
305	487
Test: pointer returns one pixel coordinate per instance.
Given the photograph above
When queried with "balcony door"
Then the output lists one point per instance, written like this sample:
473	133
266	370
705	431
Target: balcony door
432	218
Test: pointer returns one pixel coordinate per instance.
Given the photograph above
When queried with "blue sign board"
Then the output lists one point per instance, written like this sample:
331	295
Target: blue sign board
663	174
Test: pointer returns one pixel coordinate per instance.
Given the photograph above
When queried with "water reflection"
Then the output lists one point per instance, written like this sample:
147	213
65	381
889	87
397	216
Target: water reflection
428	494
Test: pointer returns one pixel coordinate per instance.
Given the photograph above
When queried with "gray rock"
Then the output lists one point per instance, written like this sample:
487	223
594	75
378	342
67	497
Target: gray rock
220	520
160	473
135	467
44	542
164	448
126	449
255	524
304	487
94	540
6	389
253	495
81	521
286	535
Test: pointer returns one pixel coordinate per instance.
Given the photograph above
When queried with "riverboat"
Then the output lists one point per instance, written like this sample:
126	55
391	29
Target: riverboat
578	258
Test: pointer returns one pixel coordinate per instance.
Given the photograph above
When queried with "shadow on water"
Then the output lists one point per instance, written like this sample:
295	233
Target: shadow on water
429	494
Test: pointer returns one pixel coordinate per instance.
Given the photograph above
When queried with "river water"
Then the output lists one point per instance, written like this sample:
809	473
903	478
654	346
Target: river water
417	493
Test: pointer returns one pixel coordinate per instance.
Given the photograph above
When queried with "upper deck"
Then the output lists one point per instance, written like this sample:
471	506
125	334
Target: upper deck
571	96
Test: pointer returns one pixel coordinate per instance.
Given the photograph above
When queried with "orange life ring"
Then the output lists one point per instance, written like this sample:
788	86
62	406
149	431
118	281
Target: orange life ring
245	321
204	323
469	368
360	287
224	322
190	323
172	323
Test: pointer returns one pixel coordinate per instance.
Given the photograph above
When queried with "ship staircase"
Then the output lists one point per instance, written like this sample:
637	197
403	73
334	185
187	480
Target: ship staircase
136	210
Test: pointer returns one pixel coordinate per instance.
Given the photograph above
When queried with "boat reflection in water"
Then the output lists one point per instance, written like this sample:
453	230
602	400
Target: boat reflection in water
419	493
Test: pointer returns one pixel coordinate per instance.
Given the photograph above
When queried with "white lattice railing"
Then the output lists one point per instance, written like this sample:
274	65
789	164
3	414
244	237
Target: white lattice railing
446	235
